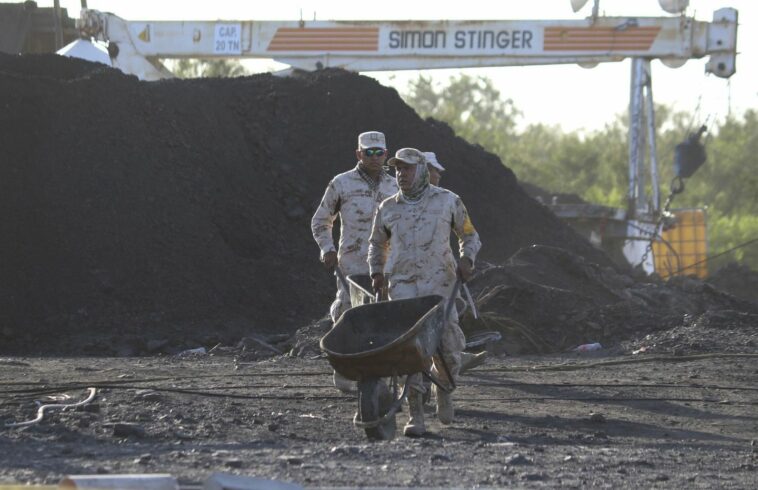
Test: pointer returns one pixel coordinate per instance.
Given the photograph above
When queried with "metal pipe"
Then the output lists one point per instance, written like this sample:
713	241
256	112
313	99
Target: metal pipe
652	147
635	137
57	24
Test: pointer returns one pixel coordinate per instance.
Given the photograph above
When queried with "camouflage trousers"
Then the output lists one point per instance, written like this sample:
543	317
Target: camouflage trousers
341	302
452	344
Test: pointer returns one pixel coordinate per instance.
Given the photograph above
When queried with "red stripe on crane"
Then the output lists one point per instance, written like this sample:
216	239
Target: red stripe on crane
599	38
325	39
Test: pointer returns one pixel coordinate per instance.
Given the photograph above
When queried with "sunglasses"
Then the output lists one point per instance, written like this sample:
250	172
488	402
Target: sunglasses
370	152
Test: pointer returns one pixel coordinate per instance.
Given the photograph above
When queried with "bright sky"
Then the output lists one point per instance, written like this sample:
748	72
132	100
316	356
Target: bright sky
567	95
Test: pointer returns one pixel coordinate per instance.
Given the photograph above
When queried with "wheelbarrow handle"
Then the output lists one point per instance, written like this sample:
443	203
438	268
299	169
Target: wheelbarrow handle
341	276
451	299
470	301
445	368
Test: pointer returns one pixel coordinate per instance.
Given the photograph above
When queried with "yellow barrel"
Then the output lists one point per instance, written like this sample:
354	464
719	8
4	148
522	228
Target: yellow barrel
684	246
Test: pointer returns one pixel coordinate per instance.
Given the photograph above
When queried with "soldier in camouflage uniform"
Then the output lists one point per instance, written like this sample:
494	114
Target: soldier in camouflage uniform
410	243
354	196
435	168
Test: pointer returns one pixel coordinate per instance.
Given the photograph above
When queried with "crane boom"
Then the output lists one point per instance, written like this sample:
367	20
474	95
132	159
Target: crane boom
414	45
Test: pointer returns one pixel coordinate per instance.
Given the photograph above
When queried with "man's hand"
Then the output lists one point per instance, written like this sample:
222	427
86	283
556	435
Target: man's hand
465	269
329	260
377	282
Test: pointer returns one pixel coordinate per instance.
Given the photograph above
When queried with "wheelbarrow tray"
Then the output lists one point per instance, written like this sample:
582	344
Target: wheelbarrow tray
387	338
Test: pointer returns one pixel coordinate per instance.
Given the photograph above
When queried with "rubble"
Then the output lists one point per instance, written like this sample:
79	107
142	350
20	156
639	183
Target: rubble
737	279
547	300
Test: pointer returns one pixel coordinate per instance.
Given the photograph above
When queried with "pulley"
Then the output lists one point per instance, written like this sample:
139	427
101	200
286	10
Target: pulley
689	155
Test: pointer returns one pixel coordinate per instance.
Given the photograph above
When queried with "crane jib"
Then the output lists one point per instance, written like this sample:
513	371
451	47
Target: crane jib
138	46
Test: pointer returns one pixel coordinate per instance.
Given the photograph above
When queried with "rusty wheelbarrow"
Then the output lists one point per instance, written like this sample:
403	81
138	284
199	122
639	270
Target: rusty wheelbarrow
383	340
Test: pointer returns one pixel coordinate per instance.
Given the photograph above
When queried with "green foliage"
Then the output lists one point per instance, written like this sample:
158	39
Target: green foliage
195	68
729	180
727	185
595	166
472	106
726	232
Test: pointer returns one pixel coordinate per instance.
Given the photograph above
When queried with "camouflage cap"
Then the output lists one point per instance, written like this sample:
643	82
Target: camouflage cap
371	139
431	159
410	156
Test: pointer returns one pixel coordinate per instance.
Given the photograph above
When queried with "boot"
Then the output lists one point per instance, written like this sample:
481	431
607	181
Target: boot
470	361
343	384
415	426
445	411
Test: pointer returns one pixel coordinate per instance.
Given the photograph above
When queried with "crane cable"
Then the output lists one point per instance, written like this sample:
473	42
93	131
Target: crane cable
42	408
736	247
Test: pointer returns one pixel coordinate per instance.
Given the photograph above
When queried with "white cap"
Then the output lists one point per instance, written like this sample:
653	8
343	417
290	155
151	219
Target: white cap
371	139
431	159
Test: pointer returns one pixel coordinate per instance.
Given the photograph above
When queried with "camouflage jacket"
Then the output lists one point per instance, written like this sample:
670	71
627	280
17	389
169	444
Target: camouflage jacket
410	243
355	197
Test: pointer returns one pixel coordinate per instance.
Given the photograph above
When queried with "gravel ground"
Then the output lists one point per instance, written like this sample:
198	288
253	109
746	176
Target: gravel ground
553	421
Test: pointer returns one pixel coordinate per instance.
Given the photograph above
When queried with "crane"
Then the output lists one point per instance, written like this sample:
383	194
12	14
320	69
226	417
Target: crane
137	47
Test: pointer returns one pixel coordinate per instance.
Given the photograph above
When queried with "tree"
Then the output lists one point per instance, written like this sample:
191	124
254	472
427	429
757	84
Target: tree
726	185
472	106
595	166
216	68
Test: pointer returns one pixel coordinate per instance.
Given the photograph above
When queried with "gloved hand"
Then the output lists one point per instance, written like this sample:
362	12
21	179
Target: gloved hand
377	282
465	269
329	260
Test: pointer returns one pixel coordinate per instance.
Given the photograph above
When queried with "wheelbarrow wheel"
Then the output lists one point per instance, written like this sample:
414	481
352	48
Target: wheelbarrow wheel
375	399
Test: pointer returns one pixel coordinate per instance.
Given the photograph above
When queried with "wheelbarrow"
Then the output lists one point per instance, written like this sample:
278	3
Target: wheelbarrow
387	339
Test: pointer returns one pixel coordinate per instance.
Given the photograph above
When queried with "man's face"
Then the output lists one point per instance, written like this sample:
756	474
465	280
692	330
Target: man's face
405	174
434	175
372	159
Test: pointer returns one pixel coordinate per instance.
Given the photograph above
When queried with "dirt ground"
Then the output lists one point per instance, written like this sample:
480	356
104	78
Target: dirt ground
570	420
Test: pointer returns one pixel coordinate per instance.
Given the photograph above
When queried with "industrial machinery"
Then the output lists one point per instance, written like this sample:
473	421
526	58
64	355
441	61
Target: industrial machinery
26	28
137	47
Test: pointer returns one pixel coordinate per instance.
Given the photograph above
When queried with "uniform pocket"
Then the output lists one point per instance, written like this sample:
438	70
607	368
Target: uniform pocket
433	231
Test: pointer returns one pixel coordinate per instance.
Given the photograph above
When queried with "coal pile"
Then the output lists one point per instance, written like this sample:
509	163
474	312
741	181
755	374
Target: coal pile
722	331
177	213
737	279
546	197
549	300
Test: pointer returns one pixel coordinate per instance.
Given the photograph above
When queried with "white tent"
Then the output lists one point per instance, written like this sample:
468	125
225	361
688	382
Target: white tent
86	50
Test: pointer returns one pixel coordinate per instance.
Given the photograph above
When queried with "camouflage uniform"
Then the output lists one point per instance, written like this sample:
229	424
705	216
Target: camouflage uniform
354	196
410	244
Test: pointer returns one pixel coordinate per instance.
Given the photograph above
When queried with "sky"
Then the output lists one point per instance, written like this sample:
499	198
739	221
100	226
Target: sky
569	96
